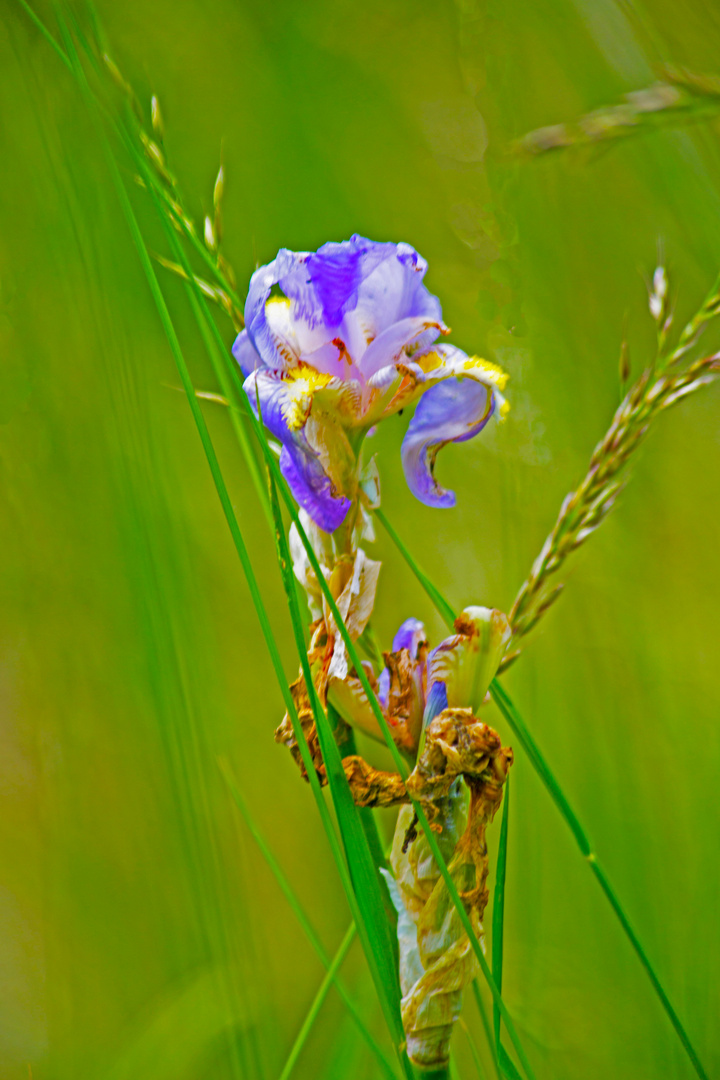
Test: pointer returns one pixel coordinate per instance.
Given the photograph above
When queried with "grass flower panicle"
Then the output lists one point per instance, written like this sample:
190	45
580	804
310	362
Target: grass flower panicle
660	386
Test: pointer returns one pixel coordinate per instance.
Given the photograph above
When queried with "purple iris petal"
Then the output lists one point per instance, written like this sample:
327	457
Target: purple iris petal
383	690
409	636
246	354
451	411
311	486
437	700
299	463
394	291
352	291
387	347
337	271
285	266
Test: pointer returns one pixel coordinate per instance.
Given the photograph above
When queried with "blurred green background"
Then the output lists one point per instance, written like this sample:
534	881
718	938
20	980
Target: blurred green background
142	933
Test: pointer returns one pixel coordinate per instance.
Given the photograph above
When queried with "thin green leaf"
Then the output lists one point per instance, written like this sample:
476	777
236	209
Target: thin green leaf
498	915
442	605
302	918
486	1026
511	714
370	912
507	1065
474	1051
365	903
378	945
531	748
317	1003
390	1004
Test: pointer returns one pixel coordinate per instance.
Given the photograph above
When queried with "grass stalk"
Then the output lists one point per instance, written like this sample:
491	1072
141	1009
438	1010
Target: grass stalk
485	1021
301	916
318	1002
498	915
475	1053
369	910
537	760
146	262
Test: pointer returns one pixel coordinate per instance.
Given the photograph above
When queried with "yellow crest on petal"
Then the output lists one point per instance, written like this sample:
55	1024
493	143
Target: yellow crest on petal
492	372
483	370
302	381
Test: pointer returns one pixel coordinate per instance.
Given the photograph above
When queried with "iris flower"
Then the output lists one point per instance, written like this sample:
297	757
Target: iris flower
416	685
338	339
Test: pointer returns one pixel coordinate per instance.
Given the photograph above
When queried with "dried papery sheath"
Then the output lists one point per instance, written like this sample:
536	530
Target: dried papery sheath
459	779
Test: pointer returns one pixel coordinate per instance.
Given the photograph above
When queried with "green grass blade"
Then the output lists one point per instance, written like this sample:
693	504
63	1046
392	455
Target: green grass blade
507	1065
383	983
40	25
302	918
159	196
486	1026
422	819
318	1001
498	915
365	879
371	918
378	945
475	1053
365	901
518	726
516	722
442	605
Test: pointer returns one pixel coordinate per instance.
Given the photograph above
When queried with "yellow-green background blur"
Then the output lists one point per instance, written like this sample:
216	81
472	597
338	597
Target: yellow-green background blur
131	895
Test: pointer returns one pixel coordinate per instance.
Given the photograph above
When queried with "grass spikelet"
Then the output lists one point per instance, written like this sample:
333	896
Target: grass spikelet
658	388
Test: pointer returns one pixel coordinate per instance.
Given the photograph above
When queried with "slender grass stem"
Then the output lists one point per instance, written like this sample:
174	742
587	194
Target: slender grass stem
484	1020
477	1060
434	593
400	764
318	1002
517	724
303	919
40	25
368	908
357	896
356	849
498	915
234	529
537	760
